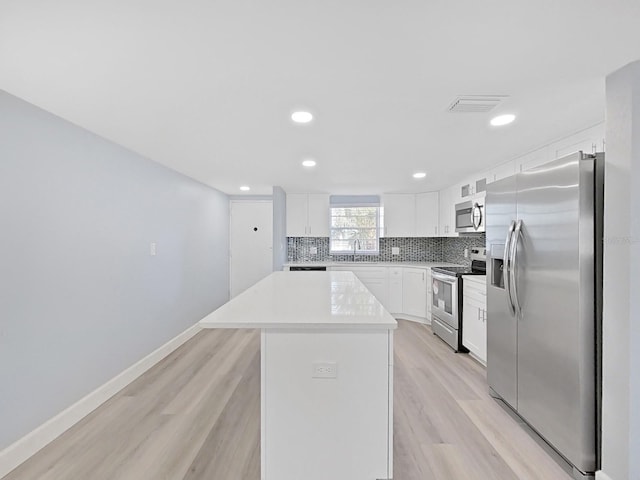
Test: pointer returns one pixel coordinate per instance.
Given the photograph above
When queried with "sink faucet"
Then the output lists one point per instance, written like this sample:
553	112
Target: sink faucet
356	243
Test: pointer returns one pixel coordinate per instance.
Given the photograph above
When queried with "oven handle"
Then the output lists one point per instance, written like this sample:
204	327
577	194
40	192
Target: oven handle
444	278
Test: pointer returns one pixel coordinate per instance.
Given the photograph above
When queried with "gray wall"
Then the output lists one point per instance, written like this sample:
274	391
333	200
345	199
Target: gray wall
621	308
81	299
279	228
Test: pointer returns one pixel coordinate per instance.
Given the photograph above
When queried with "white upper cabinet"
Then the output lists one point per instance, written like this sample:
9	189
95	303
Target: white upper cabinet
501	171
307	215
443	218
318	215
532	160
427	214
297	214
448	199
409	215
590	140
399	215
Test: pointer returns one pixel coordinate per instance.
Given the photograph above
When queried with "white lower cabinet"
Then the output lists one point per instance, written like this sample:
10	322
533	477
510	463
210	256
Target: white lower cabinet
403	291
394	299
474	316
373	277
429	295
414	292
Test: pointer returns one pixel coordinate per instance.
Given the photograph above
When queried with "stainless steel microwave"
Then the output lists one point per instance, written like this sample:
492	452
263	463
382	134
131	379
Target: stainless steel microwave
470	216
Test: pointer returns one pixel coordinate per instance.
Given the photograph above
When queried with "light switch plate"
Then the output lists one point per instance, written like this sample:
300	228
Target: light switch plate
313	250
395	250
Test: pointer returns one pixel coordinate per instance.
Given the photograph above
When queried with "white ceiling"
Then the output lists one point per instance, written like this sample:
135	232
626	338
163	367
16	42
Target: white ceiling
206	87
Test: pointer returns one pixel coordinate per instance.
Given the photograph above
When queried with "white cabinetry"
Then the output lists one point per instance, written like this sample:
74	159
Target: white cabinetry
318	215
373	277
427	214
589	140
532	160
501	171
474	316
307	215
448	199
399	215
394	298
409	215
403	291
429	295
414	292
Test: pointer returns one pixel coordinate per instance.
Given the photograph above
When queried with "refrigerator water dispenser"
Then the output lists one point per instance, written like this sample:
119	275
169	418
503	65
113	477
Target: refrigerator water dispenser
497	266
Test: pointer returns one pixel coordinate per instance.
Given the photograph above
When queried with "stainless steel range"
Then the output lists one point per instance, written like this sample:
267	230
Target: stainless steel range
446	308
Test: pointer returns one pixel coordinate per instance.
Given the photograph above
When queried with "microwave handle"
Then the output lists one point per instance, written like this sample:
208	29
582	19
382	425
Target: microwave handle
477	207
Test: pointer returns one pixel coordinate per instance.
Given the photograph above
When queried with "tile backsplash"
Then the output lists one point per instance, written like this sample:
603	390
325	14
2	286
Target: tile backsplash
299	249
453	248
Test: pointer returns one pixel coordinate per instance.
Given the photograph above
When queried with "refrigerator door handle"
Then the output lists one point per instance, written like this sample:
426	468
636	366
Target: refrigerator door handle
506	267
517	234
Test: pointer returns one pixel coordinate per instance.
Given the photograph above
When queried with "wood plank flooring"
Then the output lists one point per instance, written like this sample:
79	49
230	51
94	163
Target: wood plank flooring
196	416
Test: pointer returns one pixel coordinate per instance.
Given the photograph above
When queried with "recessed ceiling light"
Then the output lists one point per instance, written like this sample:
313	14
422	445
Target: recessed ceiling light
244	188
301	117
308	163
502	120
419	175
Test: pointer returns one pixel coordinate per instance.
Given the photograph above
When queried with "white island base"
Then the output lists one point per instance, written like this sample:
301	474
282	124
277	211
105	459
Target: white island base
327	375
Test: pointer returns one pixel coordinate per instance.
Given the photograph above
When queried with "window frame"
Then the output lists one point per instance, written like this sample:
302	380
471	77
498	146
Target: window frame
378	229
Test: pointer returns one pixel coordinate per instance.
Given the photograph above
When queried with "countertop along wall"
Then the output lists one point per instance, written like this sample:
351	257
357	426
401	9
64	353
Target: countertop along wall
81	299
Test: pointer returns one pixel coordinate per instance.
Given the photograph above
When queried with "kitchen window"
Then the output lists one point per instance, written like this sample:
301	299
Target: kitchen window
355	220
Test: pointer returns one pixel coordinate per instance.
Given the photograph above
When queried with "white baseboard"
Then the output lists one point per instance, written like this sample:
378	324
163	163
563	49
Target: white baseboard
18	452
600	475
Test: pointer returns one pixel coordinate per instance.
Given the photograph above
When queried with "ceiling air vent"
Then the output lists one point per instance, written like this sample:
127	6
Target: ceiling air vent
475	103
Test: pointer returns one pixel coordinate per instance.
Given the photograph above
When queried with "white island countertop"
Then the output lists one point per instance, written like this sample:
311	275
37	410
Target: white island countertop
308	300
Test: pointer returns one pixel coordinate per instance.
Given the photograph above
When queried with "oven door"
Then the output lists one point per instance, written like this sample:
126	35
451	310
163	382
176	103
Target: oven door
444	291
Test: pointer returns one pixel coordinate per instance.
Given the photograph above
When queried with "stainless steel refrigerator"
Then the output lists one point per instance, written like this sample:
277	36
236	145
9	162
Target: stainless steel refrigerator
544	291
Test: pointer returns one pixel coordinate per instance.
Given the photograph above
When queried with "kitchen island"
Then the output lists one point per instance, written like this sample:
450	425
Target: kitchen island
326	375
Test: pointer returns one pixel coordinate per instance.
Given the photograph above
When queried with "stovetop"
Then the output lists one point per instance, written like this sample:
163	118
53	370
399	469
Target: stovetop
458	271
478	265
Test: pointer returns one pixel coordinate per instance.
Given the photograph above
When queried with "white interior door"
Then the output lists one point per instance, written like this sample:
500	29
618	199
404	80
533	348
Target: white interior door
251	243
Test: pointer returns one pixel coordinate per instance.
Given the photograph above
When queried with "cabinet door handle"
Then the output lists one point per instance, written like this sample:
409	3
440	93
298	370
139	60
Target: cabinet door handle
435	230
309	229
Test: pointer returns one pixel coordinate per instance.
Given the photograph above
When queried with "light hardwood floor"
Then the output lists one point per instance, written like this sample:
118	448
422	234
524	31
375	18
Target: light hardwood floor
196	416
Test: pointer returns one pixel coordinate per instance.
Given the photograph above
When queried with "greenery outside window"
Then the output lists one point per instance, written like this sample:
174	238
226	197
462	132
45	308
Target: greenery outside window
356	223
